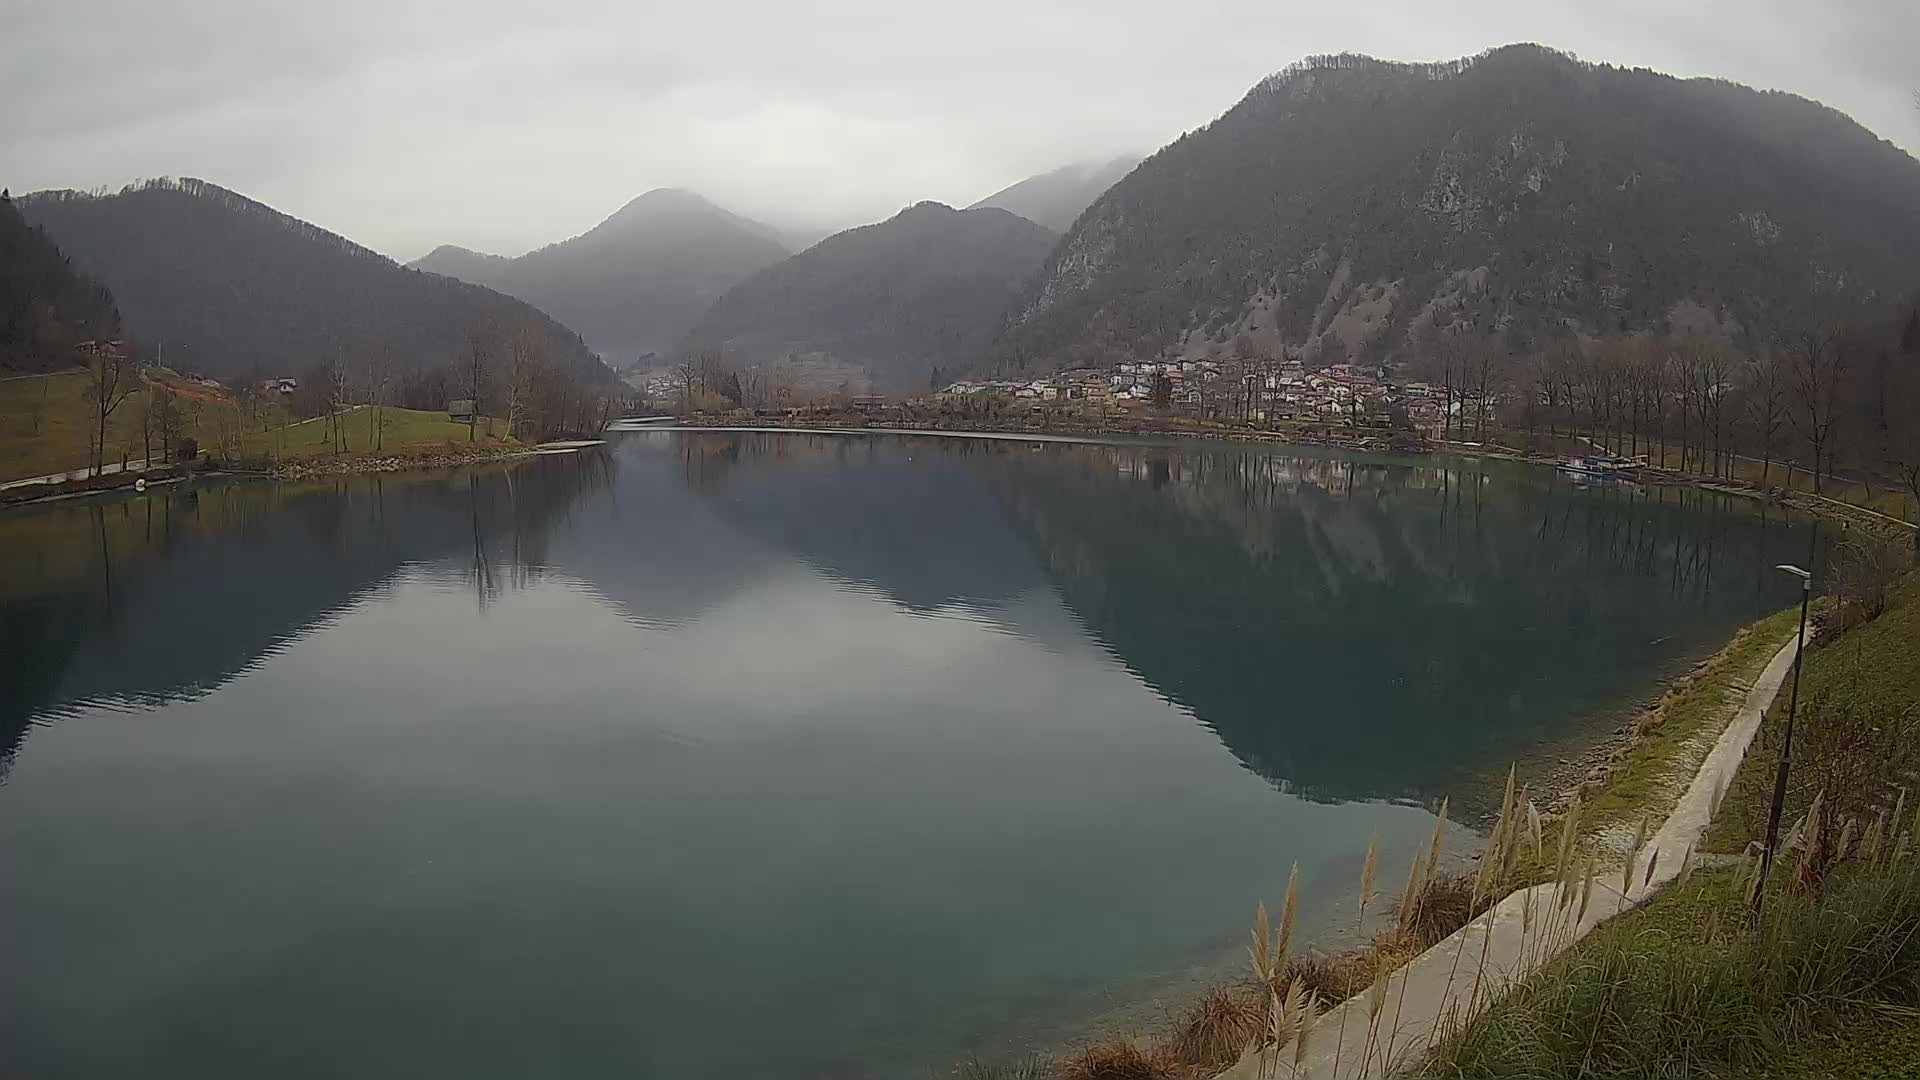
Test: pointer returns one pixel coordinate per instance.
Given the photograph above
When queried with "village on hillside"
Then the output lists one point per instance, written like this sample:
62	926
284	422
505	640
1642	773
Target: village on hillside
1227	389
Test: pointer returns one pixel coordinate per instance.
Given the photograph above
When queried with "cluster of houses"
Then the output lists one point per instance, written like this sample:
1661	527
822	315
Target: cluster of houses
1251	390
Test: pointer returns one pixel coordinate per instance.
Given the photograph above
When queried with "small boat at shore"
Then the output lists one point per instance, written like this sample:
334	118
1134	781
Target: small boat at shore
1605	466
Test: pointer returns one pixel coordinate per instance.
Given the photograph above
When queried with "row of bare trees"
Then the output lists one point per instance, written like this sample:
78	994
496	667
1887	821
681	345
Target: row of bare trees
511	375
1825	402
517	391
706	382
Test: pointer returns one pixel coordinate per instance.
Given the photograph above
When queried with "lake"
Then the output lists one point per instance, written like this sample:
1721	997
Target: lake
726	754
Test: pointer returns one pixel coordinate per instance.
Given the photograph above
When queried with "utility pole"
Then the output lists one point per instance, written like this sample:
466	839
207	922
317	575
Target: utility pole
1786	734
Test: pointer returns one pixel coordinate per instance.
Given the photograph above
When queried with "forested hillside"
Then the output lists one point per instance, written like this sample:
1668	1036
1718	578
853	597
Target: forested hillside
636	282
224	286
46	306
923	289
1055	199
1345	205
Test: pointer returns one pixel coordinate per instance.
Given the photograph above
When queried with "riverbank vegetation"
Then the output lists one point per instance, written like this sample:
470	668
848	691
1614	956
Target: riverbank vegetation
1827	981
1857	731
55	424
1690	984
47	428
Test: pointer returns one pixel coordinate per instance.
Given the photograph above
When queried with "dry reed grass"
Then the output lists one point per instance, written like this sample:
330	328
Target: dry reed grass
1218	1028
1116	1059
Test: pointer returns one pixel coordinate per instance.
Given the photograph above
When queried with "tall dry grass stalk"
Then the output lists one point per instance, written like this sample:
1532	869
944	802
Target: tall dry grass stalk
1496	869
1633	855
1367	867
1284	1017
1376	998
1421	878
1309	1016
1261	949
1588	871
1697	988
1289	908
1495	855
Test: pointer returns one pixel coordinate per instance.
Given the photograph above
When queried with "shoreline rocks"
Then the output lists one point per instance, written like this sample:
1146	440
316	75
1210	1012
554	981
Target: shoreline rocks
385	463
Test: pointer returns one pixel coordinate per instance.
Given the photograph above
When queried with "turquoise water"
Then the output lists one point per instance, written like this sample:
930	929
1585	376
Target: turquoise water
717	755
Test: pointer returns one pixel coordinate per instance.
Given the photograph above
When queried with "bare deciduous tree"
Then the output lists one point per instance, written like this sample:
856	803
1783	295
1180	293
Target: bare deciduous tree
337	381
1816	366
1766	405
527	368
687	371
473	372
379	384
111	378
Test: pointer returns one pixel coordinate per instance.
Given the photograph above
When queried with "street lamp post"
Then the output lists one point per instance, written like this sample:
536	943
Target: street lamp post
1786	739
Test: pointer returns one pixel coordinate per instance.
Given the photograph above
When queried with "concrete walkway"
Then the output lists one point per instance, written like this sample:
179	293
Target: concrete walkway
82	473
1439	994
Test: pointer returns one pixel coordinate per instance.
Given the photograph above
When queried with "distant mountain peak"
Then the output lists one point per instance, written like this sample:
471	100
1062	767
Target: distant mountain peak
636	281
666	200
1055	199
921	290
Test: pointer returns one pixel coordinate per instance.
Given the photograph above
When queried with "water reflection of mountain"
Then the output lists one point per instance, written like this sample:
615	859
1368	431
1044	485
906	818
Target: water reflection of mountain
155	598
1354	628
1348	627
913	518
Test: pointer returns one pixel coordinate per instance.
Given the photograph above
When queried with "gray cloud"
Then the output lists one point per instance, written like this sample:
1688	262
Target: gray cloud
404	123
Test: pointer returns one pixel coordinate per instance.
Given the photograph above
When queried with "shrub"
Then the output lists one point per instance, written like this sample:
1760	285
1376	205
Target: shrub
1114	1059
1865	571
1217	1029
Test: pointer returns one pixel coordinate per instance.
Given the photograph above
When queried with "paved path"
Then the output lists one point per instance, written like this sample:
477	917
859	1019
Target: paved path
1437	993
54	478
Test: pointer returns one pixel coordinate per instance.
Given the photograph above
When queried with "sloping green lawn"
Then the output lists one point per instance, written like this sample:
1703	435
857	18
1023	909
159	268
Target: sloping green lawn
1858	730
403	430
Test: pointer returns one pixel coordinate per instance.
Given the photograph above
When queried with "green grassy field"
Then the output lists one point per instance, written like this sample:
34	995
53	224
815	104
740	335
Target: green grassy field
1857	731
404	430
46	426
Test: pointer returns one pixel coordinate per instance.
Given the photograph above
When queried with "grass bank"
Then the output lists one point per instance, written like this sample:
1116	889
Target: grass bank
1827	983
400	431
1857	732
1644	778
46	428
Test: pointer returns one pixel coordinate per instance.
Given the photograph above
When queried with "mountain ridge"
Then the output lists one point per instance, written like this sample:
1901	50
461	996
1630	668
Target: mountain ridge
925	288
636	281
1345	199
47	305
230	285
1056	199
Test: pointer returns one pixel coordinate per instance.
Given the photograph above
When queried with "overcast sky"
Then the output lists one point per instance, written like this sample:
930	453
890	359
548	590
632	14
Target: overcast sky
404	124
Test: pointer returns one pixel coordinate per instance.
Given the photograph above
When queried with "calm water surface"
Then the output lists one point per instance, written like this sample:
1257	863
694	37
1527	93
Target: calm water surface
715	755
